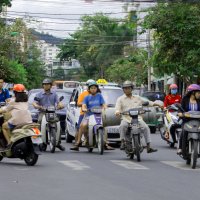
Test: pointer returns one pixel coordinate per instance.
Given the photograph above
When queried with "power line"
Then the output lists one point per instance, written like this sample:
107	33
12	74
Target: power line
66	14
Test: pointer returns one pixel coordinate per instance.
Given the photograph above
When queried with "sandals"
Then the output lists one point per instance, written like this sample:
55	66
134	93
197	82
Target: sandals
75	147
151	150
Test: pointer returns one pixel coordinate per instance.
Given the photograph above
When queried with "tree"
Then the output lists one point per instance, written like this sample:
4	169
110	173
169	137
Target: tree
133	67
4	3
177	38
98	42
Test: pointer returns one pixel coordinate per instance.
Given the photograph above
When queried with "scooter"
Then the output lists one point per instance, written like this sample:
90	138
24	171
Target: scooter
95	131
50	128
134	136
26	141
191	138
171	123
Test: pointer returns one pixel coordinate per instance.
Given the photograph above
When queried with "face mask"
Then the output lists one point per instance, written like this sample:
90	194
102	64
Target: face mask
174	91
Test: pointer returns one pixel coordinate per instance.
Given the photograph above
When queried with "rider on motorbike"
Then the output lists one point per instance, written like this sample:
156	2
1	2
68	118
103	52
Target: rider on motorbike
173	96
94	99
190	102
47	97
126	102
19	112
4	93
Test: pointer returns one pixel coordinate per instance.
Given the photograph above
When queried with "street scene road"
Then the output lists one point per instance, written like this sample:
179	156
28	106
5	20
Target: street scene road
83	175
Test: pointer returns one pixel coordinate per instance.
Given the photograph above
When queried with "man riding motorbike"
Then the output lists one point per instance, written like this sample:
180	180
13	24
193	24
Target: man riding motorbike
4	93
47	97
94	99
190	102
19	112
126	102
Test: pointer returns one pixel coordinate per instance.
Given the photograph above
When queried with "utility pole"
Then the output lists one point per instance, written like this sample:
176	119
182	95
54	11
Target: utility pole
149	57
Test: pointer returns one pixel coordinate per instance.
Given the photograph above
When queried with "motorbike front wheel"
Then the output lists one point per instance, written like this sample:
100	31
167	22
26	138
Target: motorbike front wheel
136	143
194	154
31	159
52	140
100	142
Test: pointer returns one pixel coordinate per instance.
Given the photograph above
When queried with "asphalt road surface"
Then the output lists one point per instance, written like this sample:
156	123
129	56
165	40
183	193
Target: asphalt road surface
90	176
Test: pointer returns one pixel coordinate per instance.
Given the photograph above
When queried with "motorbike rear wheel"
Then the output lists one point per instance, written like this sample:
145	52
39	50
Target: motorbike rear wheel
194	154
100	142
31	159
52	139
136	143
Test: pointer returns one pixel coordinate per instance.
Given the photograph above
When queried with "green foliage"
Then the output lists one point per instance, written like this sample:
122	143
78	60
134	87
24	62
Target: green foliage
98	43
5	3
177	38
133	67
19	57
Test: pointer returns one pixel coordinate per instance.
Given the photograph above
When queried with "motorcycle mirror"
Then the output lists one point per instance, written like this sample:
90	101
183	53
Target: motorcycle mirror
145	103
61	98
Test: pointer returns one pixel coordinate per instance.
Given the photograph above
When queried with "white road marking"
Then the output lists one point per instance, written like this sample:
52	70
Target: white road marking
75	164
128	164
180	165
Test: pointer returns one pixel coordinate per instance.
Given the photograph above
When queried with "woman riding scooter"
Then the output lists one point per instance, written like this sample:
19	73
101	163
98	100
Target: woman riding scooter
93	99
19	112
190	102
173	96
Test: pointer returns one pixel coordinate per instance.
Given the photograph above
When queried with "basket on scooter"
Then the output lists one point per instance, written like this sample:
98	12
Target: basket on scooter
50	114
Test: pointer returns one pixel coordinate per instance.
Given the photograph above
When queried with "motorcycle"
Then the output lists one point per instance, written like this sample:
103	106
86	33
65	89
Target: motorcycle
50	127
26	140
134	136
191	138
171	123
95	131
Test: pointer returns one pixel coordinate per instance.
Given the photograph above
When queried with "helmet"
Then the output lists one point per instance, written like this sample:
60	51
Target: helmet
173	86
19	88
89	80
92	83
47	81
127	84
193	87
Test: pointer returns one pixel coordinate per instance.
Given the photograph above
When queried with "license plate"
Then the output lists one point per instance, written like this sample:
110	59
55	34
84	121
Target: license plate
113	130
37	140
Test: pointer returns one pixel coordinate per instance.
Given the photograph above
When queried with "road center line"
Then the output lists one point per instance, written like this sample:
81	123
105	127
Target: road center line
129	164
180	165
75	165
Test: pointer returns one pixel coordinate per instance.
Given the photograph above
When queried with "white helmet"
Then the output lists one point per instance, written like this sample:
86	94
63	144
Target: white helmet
89	81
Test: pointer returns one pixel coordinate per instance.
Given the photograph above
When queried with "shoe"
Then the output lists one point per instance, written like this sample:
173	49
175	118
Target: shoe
75	148
179	151
107	147
122	147
151	150
59	146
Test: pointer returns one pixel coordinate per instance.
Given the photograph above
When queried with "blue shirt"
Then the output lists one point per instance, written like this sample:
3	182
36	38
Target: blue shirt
4	95
47	99
94	101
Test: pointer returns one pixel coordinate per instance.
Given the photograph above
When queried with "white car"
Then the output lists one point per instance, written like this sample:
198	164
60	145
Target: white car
110	94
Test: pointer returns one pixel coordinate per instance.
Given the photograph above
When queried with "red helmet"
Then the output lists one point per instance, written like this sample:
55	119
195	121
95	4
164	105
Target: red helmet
19	88
173	86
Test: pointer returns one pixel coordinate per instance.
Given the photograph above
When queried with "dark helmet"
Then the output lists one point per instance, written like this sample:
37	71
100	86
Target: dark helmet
47	81
93	83
127	84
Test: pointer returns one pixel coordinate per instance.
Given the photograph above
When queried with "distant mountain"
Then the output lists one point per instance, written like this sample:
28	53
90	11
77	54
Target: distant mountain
47	38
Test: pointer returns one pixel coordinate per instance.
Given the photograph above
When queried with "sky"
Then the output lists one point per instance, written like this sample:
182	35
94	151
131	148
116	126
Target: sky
61	17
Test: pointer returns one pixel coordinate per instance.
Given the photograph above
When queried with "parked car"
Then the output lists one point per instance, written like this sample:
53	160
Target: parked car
110	94
61	113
